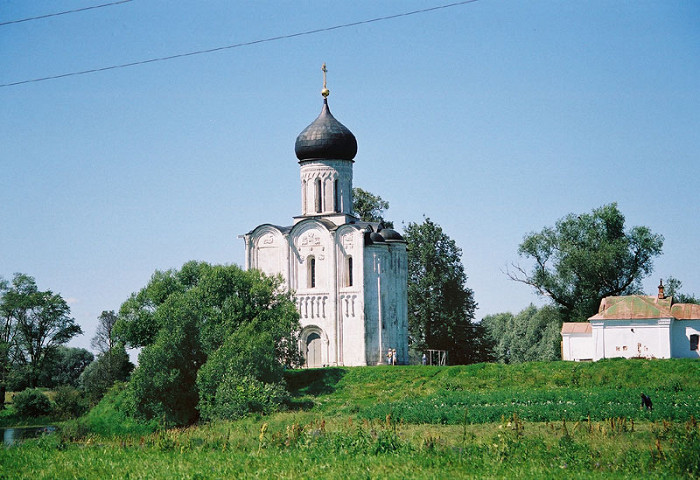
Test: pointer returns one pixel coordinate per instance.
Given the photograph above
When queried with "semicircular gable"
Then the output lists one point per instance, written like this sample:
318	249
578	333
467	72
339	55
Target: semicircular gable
267	236
309	234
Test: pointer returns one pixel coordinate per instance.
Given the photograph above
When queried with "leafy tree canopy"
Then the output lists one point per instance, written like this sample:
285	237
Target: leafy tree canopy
64	367
109	367
531	335
440	306
198	322
587	257
370	207
39	322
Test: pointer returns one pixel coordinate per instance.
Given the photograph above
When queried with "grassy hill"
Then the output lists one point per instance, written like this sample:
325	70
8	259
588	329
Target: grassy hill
535	420
536	391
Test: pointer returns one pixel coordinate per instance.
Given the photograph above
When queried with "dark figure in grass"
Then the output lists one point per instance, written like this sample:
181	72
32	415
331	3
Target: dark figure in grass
646	403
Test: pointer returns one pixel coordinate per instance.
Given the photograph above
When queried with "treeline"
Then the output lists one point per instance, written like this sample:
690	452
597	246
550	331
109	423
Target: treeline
35	327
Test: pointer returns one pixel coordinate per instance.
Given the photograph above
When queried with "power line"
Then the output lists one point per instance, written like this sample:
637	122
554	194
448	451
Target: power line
237	45
63	13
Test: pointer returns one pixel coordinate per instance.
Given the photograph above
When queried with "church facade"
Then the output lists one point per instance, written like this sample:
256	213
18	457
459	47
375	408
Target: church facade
349	277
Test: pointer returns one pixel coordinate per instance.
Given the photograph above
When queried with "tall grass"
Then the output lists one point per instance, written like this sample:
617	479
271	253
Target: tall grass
281	446
537	420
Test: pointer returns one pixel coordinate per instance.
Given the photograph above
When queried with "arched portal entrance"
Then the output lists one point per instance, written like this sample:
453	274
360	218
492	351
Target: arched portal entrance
314	348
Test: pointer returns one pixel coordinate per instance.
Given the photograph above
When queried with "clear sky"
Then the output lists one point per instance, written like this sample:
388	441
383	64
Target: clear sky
493	118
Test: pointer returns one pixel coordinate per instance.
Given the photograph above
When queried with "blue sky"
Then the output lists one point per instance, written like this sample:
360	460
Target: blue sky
494	119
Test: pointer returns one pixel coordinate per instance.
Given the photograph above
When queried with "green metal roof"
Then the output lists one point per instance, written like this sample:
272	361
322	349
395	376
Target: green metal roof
642	306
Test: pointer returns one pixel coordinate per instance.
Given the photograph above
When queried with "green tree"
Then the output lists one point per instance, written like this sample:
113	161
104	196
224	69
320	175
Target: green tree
112	363
109	367
531	335
673	289
64	366
7	340
369	207
163	386
587	257
186	318
41	321
103	341
440	306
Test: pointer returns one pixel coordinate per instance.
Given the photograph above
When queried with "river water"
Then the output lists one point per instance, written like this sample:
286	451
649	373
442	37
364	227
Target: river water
12	435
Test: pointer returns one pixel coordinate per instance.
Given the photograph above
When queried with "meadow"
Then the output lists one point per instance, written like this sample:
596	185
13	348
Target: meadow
535	420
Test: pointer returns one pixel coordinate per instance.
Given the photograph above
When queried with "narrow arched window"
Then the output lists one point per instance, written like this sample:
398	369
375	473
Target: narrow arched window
694	341
304	208
336	196
348	279
311	273
318	195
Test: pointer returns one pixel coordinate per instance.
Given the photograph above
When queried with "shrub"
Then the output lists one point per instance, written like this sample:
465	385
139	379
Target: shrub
239	395
70	403
110	416
32	403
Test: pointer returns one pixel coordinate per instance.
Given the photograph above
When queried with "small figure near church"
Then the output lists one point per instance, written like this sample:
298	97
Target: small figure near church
646	403
389	357
424	361
393	356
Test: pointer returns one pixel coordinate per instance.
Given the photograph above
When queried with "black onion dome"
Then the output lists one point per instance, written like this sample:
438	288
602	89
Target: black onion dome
375	237
391	235
326	138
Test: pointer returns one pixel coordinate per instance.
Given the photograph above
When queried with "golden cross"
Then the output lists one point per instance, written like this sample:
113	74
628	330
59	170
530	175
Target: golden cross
325	92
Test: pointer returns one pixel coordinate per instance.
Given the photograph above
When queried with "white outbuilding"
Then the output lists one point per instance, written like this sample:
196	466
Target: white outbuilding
635	326
349	277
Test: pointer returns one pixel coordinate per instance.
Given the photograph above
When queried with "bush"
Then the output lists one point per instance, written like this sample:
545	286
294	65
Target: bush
70	403
239	395
110	416
32	403
243	376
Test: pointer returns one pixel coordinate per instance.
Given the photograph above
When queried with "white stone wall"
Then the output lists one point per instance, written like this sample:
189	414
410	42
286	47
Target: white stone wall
680	338
632	338
351	296
577	346
316	304
268	251
344	313
327	171
386	271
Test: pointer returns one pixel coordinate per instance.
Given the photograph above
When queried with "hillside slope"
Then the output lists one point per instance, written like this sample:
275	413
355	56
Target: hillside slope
537	391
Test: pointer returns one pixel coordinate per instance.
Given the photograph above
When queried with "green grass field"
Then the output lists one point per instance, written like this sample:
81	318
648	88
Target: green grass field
536	420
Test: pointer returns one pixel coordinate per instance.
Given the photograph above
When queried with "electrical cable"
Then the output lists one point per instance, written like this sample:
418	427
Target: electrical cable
237	45
63	13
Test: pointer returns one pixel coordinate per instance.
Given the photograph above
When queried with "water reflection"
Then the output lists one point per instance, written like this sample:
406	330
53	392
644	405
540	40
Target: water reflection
16	434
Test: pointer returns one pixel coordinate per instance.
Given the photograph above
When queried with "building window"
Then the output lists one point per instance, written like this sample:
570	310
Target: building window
318	195
348	279
336	196
694	341
303	197
311	273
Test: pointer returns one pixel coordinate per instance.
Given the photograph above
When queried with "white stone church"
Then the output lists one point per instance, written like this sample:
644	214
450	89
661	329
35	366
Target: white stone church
349	277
